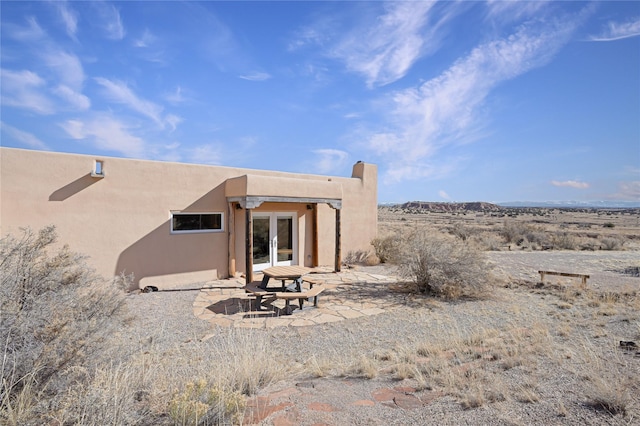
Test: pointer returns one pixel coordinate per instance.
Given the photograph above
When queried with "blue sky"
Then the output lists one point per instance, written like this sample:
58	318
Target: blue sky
454	101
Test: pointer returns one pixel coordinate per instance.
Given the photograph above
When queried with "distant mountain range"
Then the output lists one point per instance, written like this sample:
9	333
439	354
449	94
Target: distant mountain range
450	207
484	206
573	204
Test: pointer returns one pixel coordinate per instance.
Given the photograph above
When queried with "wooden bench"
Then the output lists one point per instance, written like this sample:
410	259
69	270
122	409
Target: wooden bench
564	274
287	296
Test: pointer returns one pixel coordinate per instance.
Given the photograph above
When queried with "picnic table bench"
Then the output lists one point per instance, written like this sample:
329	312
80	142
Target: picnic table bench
564	274
302	295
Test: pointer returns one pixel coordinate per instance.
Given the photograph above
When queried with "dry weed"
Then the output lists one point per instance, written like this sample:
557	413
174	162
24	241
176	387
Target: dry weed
443	266
364	367
318	367
55	313
610	377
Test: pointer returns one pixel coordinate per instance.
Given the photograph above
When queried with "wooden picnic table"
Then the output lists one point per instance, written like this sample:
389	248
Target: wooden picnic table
284	273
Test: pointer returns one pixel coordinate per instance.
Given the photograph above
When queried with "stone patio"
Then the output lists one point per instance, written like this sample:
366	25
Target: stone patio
348	294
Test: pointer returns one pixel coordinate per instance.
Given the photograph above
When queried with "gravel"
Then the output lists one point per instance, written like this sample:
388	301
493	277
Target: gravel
167	320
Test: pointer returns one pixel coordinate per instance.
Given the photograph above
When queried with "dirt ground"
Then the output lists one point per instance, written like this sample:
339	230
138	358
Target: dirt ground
556	351
554	370
526	353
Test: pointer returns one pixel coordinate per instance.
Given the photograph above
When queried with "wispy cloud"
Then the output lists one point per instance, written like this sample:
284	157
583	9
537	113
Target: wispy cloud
108	133
119	92
317	34
66	66
447	110
111	21
69	18
76	99
629	191
23	89
570	184
32	32
150	48
173	121
23	137
145	40
626	191
60	72
443	194
330	160
205	154
255	76
513	10
619	30
385	51
176	97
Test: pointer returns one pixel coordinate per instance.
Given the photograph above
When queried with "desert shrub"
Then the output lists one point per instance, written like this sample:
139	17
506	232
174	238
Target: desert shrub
610	243
201	403
536	237
487	241
360	257
521	233
387	247
54	311
564	241
443	266
514	232
461	231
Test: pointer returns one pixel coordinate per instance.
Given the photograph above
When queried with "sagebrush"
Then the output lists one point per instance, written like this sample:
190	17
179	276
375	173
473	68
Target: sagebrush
54	313
442	265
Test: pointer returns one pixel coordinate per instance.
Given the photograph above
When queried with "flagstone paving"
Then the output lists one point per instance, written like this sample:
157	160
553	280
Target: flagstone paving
348	294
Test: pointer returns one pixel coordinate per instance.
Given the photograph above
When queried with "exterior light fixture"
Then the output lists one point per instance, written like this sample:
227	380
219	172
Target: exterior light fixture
98	169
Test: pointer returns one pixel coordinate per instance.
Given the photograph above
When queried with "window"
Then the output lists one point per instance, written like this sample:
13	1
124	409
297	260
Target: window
196	222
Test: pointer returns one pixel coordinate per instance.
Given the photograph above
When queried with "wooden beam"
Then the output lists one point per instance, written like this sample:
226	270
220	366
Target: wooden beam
338	260
248	246
255	201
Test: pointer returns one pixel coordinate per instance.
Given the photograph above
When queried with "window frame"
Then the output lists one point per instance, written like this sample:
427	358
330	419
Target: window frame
195	231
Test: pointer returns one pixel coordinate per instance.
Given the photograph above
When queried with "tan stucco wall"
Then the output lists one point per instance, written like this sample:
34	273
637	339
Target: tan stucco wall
122	220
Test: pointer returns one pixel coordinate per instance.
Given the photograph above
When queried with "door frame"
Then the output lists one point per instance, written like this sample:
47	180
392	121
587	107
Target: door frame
273	229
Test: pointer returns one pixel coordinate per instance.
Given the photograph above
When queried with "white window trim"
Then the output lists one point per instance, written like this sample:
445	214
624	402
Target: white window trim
195	231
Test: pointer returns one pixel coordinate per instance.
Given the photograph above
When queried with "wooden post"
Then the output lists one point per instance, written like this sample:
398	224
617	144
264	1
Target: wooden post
338	260
314	237
232	239
248	246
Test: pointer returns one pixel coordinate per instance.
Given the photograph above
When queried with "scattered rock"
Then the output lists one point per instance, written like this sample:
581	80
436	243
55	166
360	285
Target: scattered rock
321	406
628	345
407	401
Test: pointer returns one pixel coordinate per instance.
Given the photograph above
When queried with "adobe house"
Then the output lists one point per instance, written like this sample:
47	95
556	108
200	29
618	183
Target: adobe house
160	219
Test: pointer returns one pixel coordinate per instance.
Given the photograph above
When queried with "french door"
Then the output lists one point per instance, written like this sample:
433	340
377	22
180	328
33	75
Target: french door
274	239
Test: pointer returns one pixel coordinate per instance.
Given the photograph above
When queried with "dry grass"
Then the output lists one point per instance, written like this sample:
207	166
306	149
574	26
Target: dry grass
553	346
517	358
525	228
55	313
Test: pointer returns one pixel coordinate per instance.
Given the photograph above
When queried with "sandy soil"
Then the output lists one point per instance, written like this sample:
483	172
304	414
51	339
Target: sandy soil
558	352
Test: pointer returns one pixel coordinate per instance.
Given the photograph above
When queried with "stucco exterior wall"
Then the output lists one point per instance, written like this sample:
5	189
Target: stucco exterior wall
122	221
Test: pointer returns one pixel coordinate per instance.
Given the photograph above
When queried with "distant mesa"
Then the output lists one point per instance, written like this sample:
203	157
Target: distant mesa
479	206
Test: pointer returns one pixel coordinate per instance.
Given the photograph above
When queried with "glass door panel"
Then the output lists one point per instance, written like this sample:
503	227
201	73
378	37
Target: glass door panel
285	240
261	242
274	239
